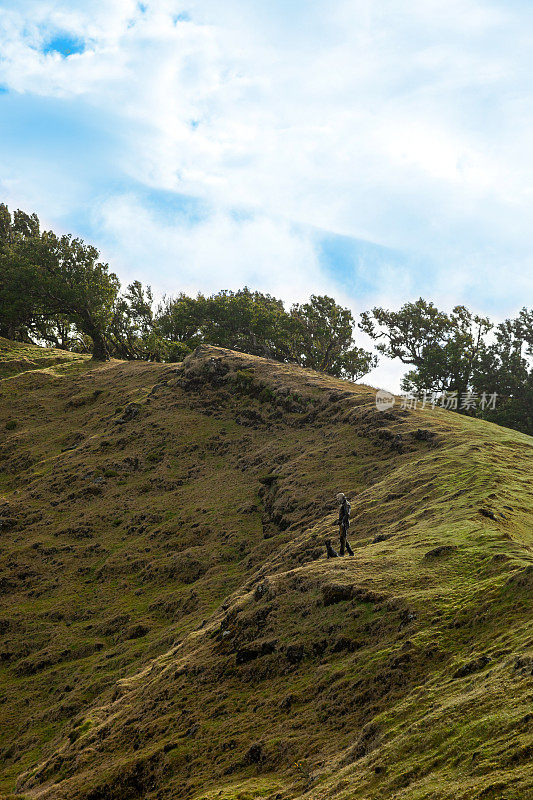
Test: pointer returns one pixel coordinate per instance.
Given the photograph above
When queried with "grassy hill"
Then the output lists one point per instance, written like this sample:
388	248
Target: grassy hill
17	357
171	627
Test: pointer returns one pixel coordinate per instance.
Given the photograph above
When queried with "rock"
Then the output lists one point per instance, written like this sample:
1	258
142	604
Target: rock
440	552
343	643
423	435
524	665
406	617
255	754
294	653
472	666
137	631
250	652
263	589
131	411
286	703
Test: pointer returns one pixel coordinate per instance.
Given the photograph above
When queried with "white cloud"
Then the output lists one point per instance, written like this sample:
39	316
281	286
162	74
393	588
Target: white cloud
220	251
220	109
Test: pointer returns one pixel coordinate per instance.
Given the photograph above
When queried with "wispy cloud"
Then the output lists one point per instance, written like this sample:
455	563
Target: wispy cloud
220	250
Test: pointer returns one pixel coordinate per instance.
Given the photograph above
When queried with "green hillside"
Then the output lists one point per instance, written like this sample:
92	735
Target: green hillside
171	627
17	357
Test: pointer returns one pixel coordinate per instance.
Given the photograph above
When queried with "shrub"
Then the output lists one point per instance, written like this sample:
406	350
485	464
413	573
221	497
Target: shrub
266	395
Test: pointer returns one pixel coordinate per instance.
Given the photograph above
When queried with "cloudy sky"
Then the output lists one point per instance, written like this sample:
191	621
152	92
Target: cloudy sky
376	150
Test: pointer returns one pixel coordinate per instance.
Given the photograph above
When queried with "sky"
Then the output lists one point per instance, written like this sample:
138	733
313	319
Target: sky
373	150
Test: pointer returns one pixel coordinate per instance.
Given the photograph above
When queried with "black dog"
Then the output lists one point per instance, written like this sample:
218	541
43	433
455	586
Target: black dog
330	551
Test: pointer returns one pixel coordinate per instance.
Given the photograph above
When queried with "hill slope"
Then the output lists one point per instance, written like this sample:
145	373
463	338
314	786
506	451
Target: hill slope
17	357
171	626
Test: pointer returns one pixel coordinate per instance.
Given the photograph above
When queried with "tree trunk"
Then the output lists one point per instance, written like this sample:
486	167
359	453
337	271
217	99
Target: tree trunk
8	331
100	351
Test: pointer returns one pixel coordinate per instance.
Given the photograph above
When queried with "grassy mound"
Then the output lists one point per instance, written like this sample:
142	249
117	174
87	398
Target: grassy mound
17	357
172	628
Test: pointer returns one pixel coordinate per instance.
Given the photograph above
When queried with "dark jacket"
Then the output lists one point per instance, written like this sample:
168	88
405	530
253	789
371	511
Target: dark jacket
344	513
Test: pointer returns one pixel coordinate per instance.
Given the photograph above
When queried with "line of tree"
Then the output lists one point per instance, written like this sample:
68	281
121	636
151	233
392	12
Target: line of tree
55	290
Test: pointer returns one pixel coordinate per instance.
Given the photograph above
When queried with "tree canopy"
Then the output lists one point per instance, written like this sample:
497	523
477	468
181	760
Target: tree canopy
49	281
318	334
461	352
55	290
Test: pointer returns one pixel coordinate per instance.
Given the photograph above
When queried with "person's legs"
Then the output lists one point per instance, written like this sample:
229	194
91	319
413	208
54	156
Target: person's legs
343	540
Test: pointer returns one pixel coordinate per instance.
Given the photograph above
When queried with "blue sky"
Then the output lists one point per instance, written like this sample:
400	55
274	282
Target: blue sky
376	150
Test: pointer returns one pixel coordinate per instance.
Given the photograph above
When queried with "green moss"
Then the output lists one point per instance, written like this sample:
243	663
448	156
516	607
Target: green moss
18	357
386	694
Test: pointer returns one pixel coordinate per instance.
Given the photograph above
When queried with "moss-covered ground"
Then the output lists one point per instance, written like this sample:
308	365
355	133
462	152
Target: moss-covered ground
18	357
171	627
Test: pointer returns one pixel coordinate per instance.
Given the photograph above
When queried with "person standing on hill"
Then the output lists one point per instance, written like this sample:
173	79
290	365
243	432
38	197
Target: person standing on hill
344	523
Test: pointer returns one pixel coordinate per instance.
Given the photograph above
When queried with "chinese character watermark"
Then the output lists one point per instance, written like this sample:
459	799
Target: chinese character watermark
453	401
